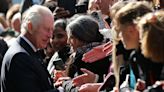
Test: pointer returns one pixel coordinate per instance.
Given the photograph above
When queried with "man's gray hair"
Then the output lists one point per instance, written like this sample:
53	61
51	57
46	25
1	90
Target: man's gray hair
35	15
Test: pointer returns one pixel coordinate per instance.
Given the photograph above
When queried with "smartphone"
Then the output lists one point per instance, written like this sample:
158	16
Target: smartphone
59	64
67	5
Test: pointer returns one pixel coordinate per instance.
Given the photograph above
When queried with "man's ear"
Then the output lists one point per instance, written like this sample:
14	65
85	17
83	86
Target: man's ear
29	26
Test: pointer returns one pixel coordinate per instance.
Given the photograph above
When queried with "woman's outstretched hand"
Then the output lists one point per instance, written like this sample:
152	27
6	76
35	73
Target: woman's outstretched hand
98	53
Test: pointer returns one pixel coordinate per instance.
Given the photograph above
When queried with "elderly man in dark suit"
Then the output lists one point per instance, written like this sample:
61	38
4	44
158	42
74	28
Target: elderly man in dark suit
22	68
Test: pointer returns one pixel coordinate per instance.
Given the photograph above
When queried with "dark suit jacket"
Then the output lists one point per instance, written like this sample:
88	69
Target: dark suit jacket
23	71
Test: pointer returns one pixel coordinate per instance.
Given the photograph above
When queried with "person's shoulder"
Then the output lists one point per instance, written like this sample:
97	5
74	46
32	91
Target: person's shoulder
12	53
13	50
22	58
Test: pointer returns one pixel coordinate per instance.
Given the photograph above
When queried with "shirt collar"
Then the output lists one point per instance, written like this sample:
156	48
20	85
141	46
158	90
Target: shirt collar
32	46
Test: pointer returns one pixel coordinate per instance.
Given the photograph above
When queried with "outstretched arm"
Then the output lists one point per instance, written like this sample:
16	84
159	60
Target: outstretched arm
98	53
87	77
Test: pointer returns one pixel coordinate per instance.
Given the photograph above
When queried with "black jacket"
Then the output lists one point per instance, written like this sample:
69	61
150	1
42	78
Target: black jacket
150	71
23	70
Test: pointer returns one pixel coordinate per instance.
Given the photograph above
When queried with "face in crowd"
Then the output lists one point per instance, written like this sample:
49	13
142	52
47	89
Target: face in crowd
82	31
59	39
44	32
125	25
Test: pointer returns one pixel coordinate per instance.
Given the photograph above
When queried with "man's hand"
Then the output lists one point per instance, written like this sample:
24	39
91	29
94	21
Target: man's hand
87	77
90	87
98	53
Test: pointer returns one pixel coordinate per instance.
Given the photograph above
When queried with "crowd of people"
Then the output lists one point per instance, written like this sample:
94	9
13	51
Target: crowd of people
82	46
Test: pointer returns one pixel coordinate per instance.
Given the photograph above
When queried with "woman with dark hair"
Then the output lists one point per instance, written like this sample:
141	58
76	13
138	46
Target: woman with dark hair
60	47
83	35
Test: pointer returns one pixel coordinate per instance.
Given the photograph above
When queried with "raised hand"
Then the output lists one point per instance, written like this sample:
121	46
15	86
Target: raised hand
98	53
87	77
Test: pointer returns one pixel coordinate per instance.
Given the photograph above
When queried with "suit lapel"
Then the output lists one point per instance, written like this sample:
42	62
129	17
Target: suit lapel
39	62
26	46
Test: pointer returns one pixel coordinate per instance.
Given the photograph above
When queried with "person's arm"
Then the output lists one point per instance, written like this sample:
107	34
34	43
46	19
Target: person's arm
98	53
87	77
74	84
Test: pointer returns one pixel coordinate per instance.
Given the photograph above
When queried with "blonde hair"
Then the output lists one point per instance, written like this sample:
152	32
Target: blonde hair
130	12
123	18
116	7
151	28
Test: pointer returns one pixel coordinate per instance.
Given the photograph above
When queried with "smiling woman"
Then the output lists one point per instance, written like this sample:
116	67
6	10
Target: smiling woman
83	34
60	47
